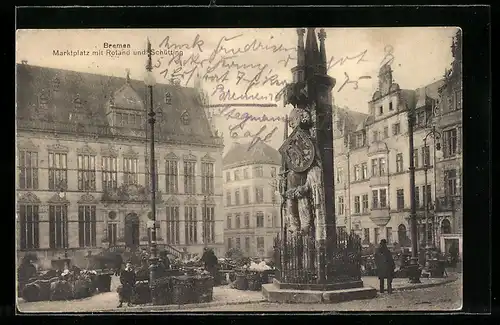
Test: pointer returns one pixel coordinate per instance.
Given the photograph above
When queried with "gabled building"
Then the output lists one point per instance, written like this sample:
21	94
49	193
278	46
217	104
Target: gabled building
251	198
83	181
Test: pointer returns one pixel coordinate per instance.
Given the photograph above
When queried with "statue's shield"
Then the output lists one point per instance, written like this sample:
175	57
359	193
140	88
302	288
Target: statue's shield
298	151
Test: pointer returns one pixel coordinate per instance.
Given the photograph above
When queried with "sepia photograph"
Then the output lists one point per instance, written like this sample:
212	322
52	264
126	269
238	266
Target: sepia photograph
239	169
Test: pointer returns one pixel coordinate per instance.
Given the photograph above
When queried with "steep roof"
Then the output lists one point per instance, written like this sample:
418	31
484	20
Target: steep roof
351	119
430	91
61	89
261	153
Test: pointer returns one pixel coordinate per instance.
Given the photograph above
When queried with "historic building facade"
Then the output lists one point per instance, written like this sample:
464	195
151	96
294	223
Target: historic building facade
449	212
83	181
251	198
372	164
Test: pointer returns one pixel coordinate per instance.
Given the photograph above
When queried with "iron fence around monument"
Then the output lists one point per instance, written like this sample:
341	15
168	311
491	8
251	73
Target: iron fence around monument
296	259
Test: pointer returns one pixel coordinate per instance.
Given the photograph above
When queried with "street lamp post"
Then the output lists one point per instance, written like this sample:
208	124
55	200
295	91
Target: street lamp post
414	272
149	81
436	135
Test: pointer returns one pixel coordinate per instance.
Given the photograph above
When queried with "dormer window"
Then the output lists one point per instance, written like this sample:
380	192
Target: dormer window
185	117
381	110
43	100
390	106
77	102
168	98
56	83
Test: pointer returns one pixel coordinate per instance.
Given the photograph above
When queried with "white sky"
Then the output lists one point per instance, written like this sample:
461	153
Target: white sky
421	56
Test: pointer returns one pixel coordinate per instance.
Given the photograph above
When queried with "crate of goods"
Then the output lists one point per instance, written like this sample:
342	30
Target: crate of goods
142	293
103	282
162	290
241	282
254	279
182	290
81	288
203	288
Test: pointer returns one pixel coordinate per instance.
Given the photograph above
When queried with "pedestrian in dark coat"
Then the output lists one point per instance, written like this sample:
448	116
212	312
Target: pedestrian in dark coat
385	266
127	279
210	260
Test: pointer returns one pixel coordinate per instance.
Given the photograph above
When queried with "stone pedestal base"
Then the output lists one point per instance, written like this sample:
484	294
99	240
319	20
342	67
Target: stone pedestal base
275	292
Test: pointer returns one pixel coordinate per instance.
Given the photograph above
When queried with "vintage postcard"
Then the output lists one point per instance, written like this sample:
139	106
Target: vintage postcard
201	170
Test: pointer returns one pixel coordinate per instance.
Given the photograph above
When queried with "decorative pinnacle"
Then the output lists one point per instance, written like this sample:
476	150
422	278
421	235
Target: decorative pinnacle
322	34
301	31
128	75
149	65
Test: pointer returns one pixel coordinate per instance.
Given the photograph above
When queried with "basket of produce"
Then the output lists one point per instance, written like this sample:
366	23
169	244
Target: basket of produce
31	292
82	288
162	291
60	290
203	288
254	280
142	293
183	290
241	282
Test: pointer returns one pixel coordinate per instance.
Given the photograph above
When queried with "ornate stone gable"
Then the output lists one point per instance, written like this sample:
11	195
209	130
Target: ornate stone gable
87	199
191	201
130	153
28	198
189	157
28	145
86	150
58	148
207	158
173	201
209	200
171	156
57	199
127	98
109	151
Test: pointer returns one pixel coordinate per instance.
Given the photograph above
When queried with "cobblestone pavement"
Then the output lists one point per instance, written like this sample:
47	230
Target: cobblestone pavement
441	297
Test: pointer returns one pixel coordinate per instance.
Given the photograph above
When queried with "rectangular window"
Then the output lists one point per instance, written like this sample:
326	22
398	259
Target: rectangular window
172	177
246	195
383	198
366	236
400	199
58	226
228	176
357	204
247	220
173	225
458	99
259	195
340	201
417	197
87	226
237	197
236	175
399	163
359	140
207	178
260	245
390	106
112	233
260	220
426	193
191	232
58	171
382	166
245	173
375	199
130	171
228	198
388	235
376	233
386	132
229	243
237	223
109	173
208	221
375	136
364	167
28	170
450	143
275	221
258	172
247	245
396	129
415	158
365	203
450	177
228	226
238	243
375	168
357	173
340	175
426	156
381	110
273	172
29	221
190	177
